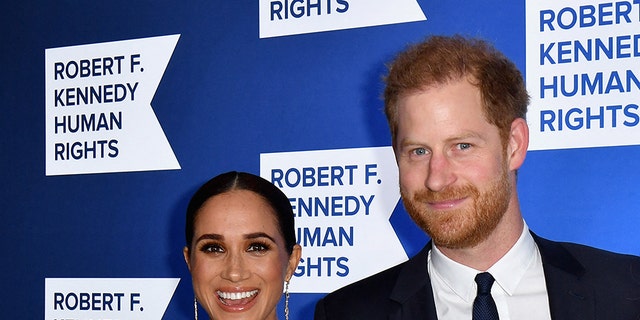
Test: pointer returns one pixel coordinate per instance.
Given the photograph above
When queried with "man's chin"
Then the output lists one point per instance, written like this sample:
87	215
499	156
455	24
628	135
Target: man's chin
456	244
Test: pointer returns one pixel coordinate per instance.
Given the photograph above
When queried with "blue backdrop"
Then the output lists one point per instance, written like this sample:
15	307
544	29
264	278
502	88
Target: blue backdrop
226	97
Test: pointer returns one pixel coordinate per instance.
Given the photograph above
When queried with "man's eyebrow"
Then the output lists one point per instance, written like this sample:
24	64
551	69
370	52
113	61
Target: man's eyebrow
462	136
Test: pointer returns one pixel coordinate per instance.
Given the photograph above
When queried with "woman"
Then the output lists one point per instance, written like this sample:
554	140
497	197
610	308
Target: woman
241	247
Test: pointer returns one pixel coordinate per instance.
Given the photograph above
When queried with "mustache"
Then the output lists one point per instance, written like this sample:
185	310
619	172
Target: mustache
449	193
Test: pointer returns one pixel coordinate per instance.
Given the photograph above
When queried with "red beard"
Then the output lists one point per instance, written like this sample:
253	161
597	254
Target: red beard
464	227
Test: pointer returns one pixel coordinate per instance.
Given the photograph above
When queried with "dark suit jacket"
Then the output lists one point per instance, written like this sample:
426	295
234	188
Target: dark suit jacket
583	283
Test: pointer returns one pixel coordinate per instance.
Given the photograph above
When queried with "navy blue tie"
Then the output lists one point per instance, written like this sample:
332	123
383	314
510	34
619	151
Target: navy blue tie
484	308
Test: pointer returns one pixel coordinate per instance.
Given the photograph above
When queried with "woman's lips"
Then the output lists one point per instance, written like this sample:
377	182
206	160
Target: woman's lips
236	301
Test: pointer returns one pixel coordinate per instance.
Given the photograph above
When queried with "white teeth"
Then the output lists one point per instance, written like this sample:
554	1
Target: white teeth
236	295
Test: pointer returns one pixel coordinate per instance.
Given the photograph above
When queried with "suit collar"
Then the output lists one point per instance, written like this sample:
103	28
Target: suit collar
555	255
569	298
413	290
413	276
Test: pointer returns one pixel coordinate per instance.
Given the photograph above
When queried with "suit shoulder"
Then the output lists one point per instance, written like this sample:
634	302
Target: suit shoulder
564	252
587	254
598	264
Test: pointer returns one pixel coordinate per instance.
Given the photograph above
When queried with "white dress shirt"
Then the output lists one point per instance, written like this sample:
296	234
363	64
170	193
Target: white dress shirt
520	290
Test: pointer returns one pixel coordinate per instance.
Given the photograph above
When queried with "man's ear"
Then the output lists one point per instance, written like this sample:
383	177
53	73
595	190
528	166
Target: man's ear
518	143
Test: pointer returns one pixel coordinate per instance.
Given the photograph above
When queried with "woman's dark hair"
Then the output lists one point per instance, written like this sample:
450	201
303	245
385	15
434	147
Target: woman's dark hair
244	181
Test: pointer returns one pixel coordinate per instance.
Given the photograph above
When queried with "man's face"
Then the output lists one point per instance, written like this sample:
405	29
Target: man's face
454	179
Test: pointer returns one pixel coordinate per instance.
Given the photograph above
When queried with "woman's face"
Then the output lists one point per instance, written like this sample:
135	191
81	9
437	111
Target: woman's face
238	259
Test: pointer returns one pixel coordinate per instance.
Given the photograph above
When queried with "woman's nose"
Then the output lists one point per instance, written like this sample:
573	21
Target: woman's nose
235	268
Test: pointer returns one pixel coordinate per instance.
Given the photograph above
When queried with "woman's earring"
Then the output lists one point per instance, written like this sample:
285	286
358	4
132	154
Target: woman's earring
286	300
195	308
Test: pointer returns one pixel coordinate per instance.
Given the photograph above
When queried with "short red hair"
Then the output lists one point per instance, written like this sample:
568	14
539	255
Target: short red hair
440	59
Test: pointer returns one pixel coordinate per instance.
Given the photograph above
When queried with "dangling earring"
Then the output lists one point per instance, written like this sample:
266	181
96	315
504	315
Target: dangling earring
286	300
195	308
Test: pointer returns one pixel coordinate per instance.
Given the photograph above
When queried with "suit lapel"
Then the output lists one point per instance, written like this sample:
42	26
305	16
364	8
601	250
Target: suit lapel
569	298
413	290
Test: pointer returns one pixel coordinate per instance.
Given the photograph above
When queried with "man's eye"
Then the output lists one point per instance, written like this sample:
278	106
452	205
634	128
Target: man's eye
420	151
464	146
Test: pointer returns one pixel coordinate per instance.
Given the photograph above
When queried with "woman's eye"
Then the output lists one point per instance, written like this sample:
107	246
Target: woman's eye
212	248
258	247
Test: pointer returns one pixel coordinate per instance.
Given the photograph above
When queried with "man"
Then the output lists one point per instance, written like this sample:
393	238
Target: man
456	109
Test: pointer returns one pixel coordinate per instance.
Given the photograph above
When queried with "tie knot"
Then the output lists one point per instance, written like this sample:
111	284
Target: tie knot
484	281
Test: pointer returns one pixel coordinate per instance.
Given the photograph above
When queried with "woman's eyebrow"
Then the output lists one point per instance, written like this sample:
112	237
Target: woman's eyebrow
210	236
256	235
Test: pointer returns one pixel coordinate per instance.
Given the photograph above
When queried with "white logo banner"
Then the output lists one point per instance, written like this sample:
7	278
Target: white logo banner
98	107
123	299
342	201
582	73
290	17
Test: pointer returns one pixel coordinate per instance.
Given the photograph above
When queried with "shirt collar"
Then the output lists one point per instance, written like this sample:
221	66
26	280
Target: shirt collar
508	271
